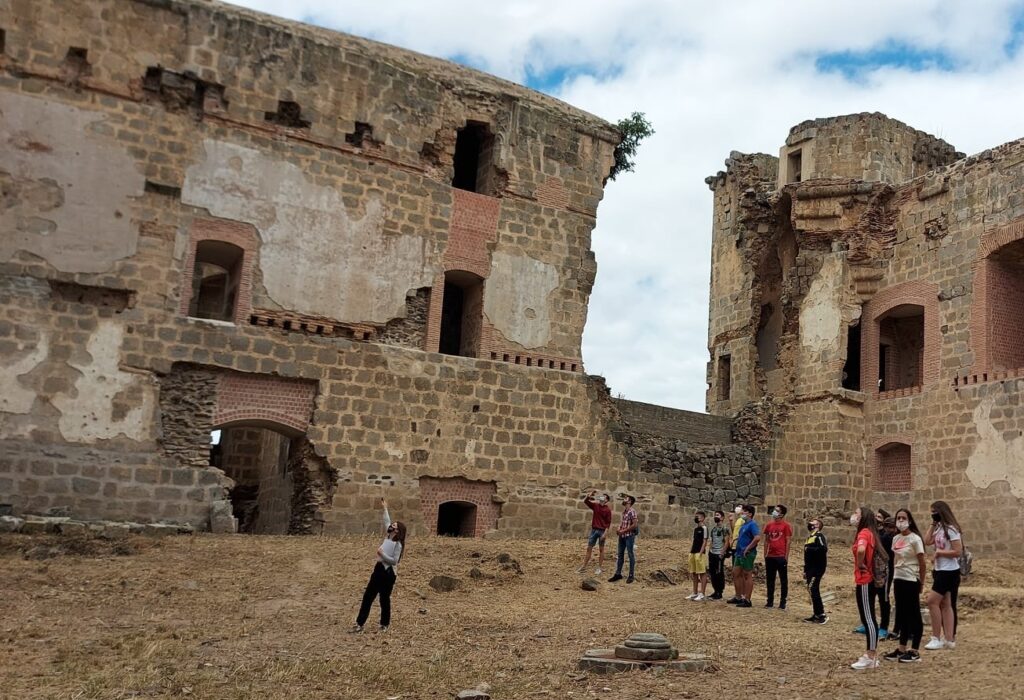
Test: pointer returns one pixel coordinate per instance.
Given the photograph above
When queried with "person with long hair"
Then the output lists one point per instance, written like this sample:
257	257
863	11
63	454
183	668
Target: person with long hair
946	535
385	573
866	547
908	584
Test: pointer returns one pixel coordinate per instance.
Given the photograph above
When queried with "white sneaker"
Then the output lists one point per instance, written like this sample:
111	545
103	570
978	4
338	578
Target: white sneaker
700	596
951	645
581	570
935	643
863	663
597	571
692	596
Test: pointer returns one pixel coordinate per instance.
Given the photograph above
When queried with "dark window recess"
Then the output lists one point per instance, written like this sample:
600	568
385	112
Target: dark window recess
76	65
474	159
671	499
795	164
3	40
461	314
362	136
288	114
851	368
215	280
165	190
901	348
883	356
183	92
103	297
456	519
724	377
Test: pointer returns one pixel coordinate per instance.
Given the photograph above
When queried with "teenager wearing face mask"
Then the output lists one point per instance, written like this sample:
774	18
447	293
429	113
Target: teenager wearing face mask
866	546
815	563
947	537
886	531
720	541
746	553
699	557
777	534
736	520
385	572
600	521
908	585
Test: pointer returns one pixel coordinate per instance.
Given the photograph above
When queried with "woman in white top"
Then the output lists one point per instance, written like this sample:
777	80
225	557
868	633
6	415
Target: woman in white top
385	571
908	584
946	534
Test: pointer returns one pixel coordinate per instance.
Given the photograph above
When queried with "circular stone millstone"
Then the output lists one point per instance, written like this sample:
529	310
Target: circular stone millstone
648	637
624	652
635	644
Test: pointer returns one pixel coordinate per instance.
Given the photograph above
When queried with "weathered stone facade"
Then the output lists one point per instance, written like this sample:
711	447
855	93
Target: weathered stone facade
852	294
254	225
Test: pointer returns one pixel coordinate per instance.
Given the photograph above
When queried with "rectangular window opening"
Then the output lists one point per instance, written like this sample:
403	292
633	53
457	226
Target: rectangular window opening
795	166
723	377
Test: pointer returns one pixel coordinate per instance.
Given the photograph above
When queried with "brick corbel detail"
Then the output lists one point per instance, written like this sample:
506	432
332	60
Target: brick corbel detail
923	294
242	235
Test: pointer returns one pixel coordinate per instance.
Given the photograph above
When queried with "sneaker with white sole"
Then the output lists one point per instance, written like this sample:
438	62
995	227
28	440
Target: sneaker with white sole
692	596
935	643
597	571
700	596
863	663
951	645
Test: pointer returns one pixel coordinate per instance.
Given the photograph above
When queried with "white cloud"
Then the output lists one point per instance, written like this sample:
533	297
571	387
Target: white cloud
712	77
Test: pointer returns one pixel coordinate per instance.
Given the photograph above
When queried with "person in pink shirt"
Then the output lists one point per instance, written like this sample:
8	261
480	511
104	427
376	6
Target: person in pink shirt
777	535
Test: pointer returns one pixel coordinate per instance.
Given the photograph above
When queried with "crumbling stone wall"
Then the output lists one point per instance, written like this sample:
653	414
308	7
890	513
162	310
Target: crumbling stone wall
876	232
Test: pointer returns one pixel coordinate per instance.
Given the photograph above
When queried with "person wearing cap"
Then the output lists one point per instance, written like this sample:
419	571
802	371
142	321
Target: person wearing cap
600	521
626	531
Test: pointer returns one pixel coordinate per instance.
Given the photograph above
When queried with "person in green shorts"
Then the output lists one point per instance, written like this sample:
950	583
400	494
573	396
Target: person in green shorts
746	553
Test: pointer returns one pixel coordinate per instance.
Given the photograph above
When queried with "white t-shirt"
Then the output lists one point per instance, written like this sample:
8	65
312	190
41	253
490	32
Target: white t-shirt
941	542
905	549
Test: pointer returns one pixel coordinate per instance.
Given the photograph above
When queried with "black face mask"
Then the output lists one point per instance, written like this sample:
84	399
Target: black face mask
936	517
696	519
810	527
718	520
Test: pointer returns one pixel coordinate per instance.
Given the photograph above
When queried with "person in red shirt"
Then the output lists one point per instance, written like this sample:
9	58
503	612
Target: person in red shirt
599	524
866	546
777	534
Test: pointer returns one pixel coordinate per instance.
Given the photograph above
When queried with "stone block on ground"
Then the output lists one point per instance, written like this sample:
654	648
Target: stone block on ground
444	584
648	637
638	644
596	664
222	519
159	530
589	584
690	663
635	654
9	523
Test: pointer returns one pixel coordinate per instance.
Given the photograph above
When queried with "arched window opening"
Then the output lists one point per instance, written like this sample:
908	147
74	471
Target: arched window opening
1005	294
901	348
851	368
256	458
456	519
215	280
474	159
462	314
893	467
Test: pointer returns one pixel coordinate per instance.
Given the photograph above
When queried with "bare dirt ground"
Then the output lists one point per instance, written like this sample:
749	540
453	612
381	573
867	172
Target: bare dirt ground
243	616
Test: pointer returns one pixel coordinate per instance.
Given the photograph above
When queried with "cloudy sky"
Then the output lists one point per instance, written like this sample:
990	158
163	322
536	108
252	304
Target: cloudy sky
712	77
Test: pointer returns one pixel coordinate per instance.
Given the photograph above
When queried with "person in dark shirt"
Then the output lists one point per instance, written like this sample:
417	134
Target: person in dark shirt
599	524
699	557
815	563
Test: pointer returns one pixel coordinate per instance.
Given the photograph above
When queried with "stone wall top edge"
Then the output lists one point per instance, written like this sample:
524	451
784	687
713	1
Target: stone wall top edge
438	69
626	405
861	117
963	167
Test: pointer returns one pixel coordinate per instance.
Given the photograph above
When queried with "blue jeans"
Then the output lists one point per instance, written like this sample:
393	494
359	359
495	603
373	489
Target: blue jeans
626	545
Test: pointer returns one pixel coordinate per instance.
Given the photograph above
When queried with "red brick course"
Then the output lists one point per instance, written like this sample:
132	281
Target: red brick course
262	399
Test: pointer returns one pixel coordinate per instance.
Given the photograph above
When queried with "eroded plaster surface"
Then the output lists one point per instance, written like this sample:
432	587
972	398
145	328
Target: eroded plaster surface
821	317
996	457
317	258
516	298
15	398
66	191
107	402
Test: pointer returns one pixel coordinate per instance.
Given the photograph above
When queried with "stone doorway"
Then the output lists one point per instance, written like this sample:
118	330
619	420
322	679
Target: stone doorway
257	458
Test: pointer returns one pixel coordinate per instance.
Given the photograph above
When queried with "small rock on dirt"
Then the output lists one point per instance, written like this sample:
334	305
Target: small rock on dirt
473	694
9	523
589	584
444	584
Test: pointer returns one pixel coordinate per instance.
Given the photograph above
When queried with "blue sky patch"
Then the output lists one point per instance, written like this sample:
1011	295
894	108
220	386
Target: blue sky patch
855	64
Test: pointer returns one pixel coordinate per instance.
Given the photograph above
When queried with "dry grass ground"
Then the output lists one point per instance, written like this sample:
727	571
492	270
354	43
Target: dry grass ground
240	617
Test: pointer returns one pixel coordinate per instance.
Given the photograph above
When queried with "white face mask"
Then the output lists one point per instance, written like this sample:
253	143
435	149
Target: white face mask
854	519
902	525
739	510
776	514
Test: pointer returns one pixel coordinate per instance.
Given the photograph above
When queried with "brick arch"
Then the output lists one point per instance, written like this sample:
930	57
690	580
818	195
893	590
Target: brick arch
892	462
986	289
256	398
235	232
435	491
917	293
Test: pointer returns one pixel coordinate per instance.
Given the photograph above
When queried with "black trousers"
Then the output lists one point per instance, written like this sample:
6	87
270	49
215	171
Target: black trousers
716	569
866	608
382	582
779	566
908	612
884	606
814	588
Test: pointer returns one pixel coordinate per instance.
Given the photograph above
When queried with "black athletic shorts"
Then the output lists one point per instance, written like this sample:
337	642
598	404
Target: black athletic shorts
944	582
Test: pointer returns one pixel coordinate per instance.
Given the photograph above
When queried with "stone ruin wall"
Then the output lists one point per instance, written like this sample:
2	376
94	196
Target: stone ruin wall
851	251
327	161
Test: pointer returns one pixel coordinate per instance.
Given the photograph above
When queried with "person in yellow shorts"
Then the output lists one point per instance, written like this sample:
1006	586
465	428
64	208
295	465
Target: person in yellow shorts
699	557
736	520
